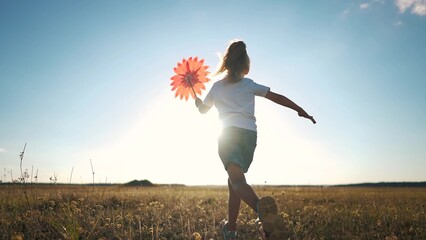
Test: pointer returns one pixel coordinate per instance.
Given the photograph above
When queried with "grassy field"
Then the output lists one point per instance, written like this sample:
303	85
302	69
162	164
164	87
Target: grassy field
113	212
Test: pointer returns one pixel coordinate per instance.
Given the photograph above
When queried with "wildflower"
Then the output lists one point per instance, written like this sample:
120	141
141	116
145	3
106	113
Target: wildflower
393	237
41	197
17	236
197	236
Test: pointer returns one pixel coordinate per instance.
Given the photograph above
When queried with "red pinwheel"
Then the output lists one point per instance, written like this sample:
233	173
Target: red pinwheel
190	75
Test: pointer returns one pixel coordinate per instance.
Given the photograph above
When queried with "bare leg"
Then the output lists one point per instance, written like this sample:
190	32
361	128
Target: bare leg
240	186
234	203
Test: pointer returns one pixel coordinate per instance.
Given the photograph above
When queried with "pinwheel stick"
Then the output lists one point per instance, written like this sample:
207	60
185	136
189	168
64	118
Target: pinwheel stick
188	79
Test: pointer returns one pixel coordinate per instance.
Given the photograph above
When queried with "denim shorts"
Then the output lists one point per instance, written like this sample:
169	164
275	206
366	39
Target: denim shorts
237	145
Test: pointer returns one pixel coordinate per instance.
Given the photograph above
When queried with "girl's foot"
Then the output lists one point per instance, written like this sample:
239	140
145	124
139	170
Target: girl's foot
227	235
272	224
260	229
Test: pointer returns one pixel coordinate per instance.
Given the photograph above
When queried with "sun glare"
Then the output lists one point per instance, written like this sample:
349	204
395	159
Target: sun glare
171	142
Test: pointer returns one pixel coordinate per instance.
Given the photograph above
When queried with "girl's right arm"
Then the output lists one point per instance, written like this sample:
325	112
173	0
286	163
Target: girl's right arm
284	101
202	108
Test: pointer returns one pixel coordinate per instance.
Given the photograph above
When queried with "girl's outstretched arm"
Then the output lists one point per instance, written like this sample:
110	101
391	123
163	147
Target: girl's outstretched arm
284	101
202	108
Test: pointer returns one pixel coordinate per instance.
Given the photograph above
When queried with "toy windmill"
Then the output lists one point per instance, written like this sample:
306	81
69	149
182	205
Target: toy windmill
190	77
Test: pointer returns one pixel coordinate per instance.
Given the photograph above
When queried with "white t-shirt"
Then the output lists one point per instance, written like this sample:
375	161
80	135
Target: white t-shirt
235	102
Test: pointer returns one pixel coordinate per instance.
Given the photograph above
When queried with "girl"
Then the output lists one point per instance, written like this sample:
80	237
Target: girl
233	96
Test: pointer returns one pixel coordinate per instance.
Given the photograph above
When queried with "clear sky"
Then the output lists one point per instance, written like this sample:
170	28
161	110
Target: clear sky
83	80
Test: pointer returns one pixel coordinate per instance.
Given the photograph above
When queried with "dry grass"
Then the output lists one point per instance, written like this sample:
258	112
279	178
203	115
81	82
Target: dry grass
55	212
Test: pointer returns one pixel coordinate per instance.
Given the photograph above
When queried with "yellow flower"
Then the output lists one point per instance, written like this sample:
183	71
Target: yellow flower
197	236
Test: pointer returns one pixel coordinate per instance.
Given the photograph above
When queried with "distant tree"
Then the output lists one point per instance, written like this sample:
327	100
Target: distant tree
139	183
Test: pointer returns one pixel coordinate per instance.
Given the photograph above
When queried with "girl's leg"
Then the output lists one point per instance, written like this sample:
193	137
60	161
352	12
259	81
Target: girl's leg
240	186
234	203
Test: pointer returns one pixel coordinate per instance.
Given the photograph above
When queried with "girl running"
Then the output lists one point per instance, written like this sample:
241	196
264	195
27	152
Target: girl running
233	96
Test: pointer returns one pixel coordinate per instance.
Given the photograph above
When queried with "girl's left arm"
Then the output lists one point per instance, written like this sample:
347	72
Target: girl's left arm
284	101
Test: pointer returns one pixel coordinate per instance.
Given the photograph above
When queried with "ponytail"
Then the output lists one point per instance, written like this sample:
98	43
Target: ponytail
236	62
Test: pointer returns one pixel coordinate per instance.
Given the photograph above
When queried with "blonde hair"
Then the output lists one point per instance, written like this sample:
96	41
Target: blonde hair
236	62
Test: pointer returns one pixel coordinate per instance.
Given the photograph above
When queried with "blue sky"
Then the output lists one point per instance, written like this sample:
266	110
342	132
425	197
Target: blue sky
83	80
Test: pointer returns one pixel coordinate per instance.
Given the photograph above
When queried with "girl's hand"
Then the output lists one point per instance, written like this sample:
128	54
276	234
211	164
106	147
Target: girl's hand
198	102
202	108
304	114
